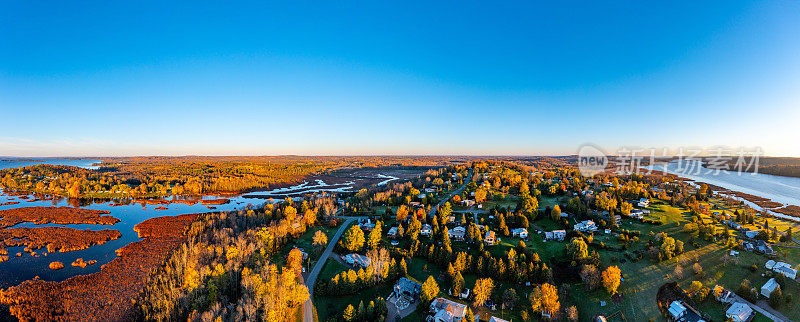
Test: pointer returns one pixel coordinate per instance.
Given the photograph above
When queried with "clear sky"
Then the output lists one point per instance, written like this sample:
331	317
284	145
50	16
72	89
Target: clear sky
403	77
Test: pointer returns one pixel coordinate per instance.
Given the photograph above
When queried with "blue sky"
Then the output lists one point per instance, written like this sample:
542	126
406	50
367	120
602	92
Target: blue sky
483	78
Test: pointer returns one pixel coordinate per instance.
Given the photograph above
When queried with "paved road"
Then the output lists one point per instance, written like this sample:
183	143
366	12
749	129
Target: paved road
432	214
308	308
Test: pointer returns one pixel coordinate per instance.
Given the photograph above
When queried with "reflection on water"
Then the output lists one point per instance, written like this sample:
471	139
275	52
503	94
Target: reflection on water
9	163
18	269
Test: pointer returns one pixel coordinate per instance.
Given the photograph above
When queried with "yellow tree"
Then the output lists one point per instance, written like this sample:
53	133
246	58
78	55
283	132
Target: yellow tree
611	278
483	289
320	239
544	298
295	260
429	290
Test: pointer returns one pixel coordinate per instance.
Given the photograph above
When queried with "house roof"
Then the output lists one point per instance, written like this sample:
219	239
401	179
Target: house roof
769	285
677	309
739	311
449	308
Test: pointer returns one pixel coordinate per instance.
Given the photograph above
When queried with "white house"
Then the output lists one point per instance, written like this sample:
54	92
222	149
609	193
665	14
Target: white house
586	226
768	287
751	233
739	312
520	233
426	230
677	310
468	202
558	235
457	233
784	269
643	203
356	260
392	232
496	319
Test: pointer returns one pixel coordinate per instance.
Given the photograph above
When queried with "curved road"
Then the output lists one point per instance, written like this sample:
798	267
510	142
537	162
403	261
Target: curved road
308	308
432	214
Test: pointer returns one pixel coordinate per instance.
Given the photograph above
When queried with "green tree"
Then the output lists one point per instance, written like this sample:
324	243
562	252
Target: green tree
577	249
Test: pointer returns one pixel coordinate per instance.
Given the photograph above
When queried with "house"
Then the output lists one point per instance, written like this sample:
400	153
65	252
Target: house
392	232
444	310
751	233
558	235
421	196
680	311
406	287
415	204
468	202
787	271
356	260
781	268
739	312
586	226
721	294
366	224
733	224
748	246
429	190
643	203
764	248
769	286
734	253
565	214
677	310
520	233
496	319
426	230
490	238
457	233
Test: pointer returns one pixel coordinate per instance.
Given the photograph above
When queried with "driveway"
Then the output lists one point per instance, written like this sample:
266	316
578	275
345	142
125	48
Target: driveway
308	308
459	190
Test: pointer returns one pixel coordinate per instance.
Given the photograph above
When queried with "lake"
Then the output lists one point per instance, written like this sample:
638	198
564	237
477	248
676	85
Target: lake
9	163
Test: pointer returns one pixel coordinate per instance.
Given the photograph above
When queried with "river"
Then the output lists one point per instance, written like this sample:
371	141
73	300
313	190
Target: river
785	190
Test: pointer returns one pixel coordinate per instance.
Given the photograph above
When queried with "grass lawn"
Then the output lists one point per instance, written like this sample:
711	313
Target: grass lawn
330	306
330	269
644	277
305	242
